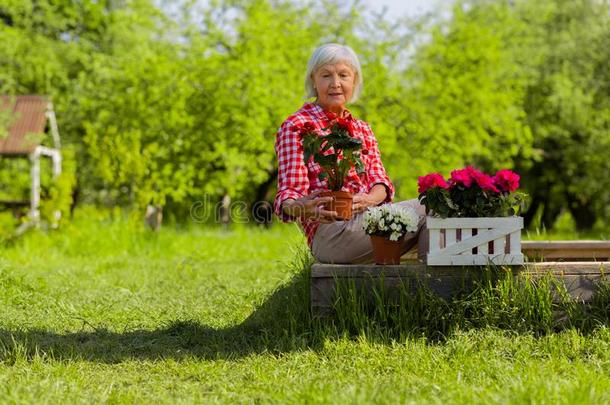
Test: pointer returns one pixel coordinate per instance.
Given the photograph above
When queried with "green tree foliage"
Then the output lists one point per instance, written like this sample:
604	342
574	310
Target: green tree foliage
169	104
463	97
568	110
162	111
112	76
516	84
249	79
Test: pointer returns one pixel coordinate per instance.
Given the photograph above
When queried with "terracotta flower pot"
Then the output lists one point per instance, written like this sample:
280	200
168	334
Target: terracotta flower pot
386	251
342	203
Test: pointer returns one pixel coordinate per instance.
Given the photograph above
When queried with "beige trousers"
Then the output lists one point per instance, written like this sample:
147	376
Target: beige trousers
346	242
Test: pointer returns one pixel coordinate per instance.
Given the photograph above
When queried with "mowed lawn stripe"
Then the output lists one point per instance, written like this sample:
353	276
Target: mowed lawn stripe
105	312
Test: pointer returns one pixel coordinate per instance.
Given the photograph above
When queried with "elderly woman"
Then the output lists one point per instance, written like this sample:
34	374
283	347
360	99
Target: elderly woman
334	78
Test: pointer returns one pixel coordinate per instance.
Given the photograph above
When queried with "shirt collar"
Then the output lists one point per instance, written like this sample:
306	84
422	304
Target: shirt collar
329	114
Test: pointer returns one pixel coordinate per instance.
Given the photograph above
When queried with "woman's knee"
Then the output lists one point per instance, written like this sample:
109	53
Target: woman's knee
415	204
351	246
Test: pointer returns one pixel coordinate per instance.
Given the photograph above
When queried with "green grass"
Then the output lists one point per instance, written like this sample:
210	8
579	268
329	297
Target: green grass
104	311
565	229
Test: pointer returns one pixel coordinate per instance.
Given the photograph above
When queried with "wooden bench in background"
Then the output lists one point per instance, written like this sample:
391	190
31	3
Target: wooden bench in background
579	265
582	250
19	208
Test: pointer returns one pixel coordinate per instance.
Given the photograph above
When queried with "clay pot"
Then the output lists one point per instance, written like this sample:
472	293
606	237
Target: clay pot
386	251
342	203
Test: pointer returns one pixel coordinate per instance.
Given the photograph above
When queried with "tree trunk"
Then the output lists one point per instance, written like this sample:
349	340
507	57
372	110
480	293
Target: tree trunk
262	209
582	212
154	217
225	210
550	211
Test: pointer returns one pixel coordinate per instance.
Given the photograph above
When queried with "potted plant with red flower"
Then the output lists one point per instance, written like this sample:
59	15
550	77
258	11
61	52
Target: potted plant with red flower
337	151
472	217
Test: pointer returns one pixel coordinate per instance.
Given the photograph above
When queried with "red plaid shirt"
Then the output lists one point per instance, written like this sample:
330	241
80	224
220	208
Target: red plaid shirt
297	179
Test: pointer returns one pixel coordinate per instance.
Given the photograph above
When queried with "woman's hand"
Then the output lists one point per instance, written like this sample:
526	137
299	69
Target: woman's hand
375	197
310	207
362	202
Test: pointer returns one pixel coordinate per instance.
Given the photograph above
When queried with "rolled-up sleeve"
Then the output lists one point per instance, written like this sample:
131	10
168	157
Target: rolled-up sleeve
292	180
375	171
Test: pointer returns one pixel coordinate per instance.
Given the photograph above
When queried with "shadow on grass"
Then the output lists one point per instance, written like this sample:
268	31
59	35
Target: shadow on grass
283	323
280	324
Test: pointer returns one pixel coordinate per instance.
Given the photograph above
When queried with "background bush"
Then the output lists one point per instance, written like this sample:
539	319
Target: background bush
169	104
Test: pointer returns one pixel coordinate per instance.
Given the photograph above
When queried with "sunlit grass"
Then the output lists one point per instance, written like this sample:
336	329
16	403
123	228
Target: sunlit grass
565	229
106	311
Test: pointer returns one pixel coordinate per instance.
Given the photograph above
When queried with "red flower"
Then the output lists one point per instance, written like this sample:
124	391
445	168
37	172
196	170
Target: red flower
364	152
429	181
308	126
485	182
471	193
506	180
469	175
462	176
345	124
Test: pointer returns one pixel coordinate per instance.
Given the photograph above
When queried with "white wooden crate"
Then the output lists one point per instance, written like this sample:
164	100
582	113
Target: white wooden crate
474	241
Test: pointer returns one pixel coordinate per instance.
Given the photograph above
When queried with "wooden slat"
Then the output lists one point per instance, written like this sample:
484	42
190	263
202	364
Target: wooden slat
475	260
579	278
320	270
499	245
553	250
515	242
450	236
483	249
435	240
495	222
567	244
373	270
482	237
559	268
14	204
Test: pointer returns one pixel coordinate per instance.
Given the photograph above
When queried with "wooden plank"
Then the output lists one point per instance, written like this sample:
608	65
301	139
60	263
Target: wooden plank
367	270
322	292
487	230
515	242
35	186
435	240
568	255
490	222
483	249
568	244
482	237
579	278
450	237
476	260
319	270
499	245
582	250
580	287
14	204
560	268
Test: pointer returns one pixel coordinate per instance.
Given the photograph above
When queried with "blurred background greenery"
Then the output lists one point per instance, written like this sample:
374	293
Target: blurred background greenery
173	102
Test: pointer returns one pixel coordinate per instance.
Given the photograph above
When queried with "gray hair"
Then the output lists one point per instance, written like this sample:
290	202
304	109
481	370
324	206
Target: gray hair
331	54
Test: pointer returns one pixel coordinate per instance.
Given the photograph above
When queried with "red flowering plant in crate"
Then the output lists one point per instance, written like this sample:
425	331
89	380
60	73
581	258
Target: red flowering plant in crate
471	193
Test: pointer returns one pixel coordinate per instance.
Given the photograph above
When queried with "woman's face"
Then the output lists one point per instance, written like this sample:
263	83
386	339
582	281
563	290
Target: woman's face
334	84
